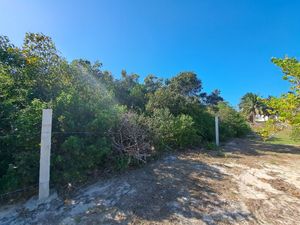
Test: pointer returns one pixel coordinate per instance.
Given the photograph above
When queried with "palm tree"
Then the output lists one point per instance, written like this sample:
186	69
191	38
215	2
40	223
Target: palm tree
251	105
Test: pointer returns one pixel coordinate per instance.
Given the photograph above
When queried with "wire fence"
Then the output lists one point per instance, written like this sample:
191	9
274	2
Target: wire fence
57	132
17	194
33	189
78	133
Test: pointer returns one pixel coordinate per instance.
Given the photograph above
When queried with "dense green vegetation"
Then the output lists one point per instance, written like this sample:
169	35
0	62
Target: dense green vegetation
287	106
98	120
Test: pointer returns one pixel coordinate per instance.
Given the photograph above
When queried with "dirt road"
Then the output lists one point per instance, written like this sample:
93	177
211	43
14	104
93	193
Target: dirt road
255	183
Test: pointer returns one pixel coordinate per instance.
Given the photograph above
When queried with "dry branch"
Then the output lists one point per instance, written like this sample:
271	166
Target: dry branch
130	138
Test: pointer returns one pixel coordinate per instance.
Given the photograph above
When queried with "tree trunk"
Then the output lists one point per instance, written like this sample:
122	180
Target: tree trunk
252	117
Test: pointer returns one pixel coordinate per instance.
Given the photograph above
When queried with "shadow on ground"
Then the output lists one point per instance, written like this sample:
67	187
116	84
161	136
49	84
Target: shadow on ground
173	190
177	189
257	147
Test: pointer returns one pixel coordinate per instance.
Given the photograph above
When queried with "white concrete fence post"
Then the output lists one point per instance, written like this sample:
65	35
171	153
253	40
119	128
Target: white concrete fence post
217	130
45	154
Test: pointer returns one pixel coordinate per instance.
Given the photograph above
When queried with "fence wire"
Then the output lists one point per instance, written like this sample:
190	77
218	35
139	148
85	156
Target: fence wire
16	194
33	189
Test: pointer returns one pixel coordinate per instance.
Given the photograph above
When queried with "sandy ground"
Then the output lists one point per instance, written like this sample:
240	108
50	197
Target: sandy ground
255	183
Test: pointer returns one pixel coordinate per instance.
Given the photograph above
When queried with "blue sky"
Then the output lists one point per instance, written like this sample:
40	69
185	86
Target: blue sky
228	43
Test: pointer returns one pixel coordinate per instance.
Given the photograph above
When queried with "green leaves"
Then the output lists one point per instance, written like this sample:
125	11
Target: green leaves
286	108
87	103
175	131
232	124
291	70
186	83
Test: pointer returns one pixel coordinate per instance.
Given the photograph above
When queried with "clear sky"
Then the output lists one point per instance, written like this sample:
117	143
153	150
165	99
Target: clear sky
228	43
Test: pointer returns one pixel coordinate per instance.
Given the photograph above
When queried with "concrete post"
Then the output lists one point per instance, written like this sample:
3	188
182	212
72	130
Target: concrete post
217	130
45	154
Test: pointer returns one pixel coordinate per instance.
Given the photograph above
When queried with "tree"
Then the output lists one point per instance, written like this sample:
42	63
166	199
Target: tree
250	106
178	94
291	71
186	84
130	92
152	83
287	106
214	98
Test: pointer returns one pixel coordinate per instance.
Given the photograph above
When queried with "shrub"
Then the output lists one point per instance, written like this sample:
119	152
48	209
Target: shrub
170	130
77	157
130	139
232	123
20	167
81	144
203	123
268	129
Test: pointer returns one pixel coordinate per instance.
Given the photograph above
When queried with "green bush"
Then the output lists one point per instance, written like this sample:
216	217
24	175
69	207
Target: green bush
170	130
82	144
203	123
232	123
88	104
268	129
21	165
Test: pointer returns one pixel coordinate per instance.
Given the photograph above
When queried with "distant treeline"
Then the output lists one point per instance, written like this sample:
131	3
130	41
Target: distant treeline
98	121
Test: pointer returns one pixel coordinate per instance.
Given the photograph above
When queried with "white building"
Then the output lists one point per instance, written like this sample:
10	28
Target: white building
261	118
